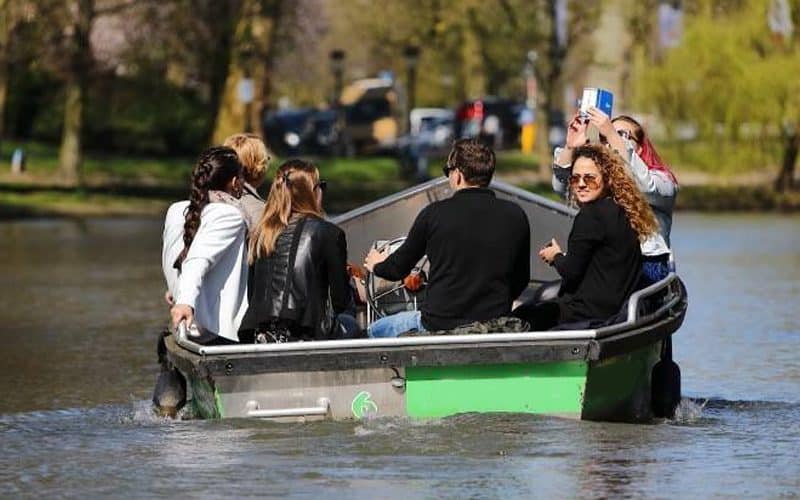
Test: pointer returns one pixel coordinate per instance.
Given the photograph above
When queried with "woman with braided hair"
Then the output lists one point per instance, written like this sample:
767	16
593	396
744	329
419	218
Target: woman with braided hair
603	264
298	286
204	257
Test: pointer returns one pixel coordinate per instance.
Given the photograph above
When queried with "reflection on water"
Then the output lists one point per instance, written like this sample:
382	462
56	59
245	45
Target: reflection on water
81	308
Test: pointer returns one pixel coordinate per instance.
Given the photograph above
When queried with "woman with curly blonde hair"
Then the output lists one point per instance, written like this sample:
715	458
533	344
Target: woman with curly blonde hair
603	264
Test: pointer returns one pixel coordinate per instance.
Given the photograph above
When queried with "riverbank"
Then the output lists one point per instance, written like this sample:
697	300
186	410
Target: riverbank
129	186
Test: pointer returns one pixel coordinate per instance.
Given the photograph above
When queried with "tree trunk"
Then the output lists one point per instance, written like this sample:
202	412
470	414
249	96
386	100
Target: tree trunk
223	19
265	98
785	180
69	155
80	58
5	35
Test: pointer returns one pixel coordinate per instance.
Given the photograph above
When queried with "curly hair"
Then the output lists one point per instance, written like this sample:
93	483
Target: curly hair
620	186
292	192
214	170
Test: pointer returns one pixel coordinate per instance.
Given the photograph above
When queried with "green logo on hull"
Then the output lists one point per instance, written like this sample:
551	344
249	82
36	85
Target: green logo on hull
363	406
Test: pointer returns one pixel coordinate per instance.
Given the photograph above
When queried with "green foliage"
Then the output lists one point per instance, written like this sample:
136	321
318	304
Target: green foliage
730	77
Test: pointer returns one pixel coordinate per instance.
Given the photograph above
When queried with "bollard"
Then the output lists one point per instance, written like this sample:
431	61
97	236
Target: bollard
18	161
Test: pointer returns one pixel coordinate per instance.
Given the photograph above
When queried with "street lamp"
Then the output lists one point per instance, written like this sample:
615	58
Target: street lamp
337	68
411	56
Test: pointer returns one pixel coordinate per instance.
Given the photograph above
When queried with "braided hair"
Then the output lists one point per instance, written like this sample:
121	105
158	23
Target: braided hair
213	171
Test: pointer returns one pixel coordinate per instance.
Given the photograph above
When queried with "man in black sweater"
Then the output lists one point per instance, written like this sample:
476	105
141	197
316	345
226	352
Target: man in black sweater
477	244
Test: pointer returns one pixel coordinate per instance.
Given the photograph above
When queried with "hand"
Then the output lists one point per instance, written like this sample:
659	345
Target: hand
170	300
602	122
181	312
549	251
375	257
576	132
355	271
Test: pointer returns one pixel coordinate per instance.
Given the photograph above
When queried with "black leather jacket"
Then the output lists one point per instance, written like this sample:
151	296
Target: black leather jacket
303	282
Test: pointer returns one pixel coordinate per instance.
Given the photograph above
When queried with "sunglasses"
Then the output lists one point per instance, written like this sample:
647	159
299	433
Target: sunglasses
447	169
591	180
322	185
622	133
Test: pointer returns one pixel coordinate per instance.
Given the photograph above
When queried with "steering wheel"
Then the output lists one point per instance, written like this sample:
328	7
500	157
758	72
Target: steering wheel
386	297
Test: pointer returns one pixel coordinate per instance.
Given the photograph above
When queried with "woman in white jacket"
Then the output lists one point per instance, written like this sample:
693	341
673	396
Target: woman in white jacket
204	255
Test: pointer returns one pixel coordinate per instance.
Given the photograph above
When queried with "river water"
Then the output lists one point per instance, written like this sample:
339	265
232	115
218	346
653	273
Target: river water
80	308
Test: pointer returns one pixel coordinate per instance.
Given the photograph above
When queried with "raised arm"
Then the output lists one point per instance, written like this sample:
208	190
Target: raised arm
562	157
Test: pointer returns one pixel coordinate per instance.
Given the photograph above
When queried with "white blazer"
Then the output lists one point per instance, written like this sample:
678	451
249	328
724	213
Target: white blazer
213	277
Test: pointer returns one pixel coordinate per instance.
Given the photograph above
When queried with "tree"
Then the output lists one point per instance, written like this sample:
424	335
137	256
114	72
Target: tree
78	61
732	78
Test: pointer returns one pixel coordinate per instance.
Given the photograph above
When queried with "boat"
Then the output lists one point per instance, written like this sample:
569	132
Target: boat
610	373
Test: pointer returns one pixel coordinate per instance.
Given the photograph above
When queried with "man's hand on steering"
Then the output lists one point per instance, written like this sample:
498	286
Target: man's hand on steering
375	257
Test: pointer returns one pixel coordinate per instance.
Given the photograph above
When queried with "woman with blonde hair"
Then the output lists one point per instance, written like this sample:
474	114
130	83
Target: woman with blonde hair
603	264
298	287
255	158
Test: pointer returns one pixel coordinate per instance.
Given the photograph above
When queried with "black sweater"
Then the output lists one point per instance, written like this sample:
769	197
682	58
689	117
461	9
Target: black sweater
603	263
479	252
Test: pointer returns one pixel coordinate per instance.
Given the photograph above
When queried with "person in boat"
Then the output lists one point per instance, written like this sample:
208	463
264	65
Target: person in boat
652	176
478	247
204	257
254	157
299	288
603	264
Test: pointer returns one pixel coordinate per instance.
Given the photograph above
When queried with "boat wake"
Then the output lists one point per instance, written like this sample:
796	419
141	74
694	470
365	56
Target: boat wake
143	412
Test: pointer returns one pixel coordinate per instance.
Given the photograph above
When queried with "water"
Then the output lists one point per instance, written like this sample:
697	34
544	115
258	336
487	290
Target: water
81	307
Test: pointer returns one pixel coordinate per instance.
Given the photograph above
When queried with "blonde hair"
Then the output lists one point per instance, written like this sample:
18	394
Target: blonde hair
292	192
253	155
619	185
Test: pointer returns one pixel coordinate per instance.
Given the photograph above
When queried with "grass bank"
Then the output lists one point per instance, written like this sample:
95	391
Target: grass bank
115	185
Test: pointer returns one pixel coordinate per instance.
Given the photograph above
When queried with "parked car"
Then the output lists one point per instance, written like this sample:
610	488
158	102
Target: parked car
493	119
370	116
286	130
431	135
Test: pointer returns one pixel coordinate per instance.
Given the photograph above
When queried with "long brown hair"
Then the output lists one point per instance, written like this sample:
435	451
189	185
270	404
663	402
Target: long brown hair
621	188
292	192
213	171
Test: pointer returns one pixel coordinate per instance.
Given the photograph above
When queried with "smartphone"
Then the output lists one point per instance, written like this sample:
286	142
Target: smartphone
601	99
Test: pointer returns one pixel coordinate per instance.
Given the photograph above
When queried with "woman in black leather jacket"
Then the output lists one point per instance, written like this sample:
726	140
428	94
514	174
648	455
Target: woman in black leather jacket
298	287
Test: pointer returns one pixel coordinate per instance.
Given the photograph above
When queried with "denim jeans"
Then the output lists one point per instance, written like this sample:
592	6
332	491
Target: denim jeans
394	325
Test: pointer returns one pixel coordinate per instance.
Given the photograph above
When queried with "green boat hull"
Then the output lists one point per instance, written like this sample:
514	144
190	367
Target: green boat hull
612	389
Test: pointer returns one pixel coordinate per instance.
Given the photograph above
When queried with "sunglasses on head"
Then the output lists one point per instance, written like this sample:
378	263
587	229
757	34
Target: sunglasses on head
592	181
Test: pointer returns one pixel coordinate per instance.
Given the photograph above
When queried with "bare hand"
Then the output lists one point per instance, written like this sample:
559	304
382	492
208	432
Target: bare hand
169	298
576	132
549	252
181	312
375	257
601	121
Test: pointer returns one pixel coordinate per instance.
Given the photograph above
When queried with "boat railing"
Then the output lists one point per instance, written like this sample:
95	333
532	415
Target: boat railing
637	314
